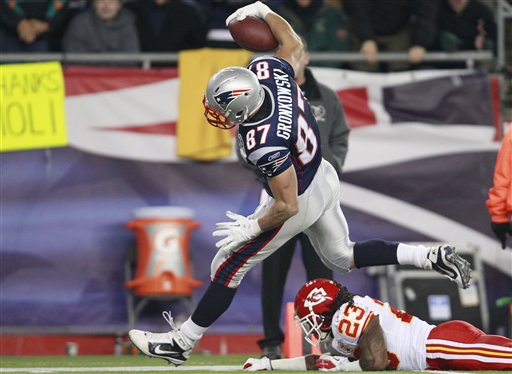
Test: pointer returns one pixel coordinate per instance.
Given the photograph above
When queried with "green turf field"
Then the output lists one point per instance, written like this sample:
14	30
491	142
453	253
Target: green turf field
123	364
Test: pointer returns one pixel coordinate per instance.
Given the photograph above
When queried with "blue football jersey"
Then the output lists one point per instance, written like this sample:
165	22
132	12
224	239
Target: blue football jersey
284	132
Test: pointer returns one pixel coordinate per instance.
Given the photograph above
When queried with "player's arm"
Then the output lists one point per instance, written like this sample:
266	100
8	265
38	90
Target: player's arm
301	363
290	47
325	362
372	344
286	205
240	229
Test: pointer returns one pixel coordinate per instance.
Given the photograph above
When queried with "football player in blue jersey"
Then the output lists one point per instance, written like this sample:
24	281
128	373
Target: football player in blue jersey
278	133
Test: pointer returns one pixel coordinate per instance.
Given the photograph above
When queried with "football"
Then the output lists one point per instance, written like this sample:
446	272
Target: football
253	34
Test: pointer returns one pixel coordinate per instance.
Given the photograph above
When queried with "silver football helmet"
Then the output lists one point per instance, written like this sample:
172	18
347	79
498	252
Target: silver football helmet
232	96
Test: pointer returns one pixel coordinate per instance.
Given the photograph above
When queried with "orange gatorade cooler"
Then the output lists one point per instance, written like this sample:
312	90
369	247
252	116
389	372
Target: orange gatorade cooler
163	263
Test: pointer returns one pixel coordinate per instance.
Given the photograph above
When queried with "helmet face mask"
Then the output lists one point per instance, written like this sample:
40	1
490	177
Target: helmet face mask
216	118
315	304
314	326
232	96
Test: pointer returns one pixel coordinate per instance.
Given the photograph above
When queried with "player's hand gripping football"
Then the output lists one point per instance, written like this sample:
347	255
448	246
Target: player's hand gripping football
331	363
236	232
257	9
257	364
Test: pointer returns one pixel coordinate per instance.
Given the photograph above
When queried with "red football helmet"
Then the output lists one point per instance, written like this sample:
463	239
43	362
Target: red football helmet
315	304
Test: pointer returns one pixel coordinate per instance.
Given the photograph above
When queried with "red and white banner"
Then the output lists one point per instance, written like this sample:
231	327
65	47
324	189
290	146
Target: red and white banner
123	113
132	114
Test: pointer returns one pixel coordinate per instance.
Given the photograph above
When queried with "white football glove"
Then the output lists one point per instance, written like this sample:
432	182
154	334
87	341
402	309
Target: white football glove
257	9
236	232
257	364
331	363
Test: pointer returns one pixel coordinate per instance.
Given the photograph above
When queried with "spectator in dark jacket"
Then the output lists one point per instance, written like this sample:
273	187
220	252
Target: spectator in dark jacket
465	25
397	26
217	33
26	26
168	25
322	26
105	27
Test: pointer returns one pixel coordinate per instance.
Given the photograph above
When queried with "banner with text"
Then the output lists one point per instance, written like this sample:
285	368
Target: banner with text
32	107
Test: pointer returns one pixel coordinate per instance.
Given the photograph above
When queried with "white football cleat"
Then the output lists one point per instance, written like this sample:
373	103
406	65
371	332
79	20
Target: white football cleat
446	261
171	346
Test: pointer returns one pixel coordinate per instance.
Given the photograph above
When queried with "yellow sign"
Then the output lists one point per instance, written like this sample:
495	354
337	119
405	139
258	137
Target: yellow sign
32	111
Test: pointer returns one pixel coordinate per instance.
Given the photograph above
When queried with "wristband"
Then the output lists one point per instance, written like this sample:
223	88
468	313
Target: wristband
353	366
255	227
296	364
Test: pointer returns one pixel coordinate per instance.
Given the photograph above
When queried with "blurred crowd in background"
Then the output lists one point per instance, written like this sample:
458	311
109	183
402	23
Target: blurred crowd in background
169	26
368	26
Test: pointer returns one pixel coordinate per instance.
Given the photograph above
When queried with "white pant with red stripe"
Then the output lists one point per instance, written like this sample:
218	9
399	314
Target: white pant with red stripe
458	345
319	216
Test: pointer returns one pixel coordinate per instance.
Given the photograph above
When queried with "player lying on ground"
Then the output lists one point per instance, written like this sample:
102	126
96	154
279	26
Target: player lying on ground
279	135
368	334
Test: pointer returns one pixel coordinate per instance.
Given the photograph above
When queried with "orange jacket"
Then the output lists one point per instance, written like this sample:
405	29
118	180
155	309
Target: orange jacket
499	203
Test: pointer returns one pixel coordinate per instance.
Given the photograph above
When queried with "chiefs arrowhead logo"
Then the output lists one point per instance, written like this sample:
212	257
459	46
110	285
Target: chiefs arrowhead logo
315	297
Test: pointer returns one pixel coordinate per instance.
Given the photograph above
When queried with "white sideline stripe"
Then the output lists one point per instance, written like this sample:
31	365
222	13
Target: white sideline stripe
120	369
425	222
440	372
154	368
